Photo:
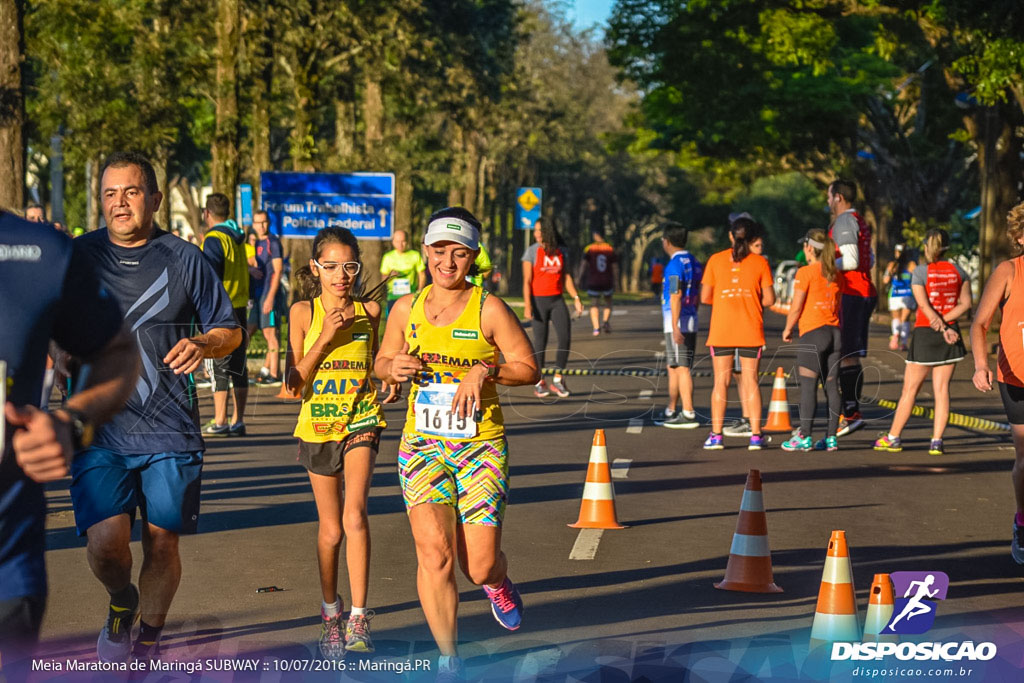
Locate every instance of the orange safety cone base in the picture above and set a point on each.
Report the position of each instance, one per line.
(597, 514)
(748, 587)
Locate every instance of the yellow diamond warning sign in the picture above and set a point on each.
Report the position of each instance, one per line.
(528, 200)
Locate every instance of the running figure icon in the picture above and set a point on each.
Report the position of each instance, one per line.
(915, 606)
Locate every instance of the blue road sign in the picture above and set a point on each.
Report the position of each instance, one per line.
(301, 204)
(528, 200)
(243, 210)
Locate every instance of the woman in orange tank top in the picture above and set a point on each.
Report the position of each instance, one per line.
(1005, 290)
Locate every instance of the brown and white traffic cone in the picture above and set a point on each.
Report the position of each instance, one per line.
(597, 511)
(880, 607)
(750, 560)
(778, 408)
(835, 617)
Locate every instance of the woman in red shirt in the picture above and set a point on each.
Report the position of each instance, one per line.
(738, 285)
(545, 277)
(943, 293)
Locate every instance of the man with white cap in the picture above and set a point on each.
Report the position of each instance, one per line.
(453, 456)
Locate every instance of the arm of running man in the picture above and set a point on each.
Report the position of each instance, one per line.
(675, 302)
(991, 299)
(527, 290)
(187, 355)
(394, 364)
(500, 327)
(846, 233)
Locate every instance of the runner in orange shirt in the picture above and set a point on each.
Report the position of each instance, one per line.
(815, 308)
(1005, 290)
(737, 284)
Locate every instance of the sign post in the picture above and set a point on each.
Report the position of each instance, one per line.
(302, 204)
(243, 205)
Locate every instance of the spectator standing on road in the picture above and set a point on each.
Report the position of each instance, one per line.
(453, 458)
(1004, 292)
(680, 300)
(600, 271)
(48, 290)
(269, 298)
(150, 455)
(405, 268)
(332, 342)
(545, 277)
(34, 213)
(657, 273)
(854, 258)
(224, 248)
(901, 296)
(815, 308)
(943, 293)
(737, 283)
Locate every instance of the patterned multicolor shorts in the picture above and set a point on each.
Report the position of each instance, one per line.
(470, 476)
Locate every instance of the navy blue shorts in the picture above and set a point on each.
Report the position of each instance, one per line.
(164, 486)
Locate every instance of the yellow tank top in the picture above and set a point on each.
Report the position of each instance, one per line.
(449, 352)
(341, 397)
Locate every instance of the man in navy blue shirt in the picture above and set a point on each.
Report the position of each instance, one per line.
(679, 301)
(47, 291)
(149, 457)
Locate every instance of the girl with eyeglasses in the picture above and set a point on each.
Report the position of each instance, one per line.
(332, 342)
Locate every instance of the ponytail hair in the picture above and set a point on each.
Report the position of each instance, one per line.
(307, 285)
(936, 242)
(743, 231)
(826, 254)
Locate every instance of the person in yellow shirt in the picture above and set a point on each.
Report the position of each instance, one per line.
(453, 456)
(332, 340)
(404, 267)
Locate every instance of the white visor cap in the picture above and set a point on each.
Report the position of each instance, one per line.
(452, 230)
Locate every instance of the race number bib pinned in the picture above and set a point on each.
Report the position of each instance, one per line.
(401, 286)
(434, 414)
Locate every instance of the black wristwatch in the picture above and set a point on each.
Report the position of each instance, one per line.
(82, 430)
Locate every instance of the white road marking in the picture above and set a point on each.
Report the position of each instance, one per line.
(585, 547)
(620, 468)
(655, 312)
(619, 311)
(636, 426)
(658, 355)
(646, 393)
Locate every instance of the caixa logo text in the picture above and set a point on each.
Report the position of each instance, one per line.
(922, 652)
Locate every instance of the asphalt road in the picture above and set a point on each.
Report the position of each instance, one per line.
(643, 608)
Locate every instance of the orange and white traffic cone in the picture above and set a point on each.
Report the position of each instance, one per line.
(750, 561)
(880, 607)
(778, 408)
(597, 511)
(835, 617)
(285, 392)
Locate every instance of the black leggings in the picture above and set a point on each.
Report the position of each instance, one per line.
(819, 352)
(231, 370)
(551, 308)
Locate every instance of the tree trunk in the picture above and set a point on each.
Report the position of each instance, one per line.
(373, 115)
(403, 202)
(455, 196)
(225, 140)
(999, 168)
(344, 134)
(470, 172)
(163, 214)
(12, 106)
(259, 131)
(92, 203)
(193, 212)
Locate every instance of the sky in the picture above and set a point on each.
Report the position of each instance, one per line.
(585, 13)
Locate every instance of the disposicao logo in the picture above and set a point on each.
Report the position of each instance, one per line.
(915, 611)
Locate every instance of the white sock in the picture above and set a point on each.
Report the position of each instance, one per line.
(331, 610)
(357, 612)
(689, 414)
(448, 663)
(896, 327)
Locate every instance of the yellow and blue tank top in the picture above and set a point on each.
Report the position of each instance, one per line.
(341, 397)
(449, 352)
